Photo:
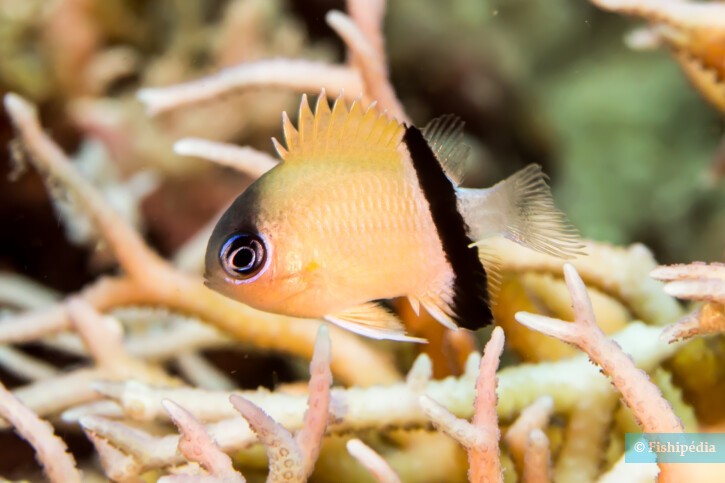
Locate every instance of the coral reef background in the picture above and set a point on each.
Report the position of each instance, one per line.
(632, 148)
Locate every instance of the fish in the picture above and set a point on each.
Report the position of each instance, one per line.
(362, 209)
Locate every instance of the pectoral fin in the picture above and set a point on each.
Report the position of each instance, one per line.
(372, 320)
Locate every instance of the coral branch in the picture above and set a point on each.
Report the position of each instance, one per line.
(293, 459)
(653, 412)
(481, 436)
(537, 465)
(372, 461)
(243, 159)
(620, 272)
(117, 465)
(103, 337)
(368, 16)
(201, 373)
(52, 453)
(285, 457)
(354, 409)
(372, 66)
(189, 258)
(23, 293)
(535, 416)
(21, 365)
(696, 281)
(67, 390)
(709, 319)
(130, 249)
(674, 12)
(315, 421)
(197, 446)
(300, 75)
(587, 431)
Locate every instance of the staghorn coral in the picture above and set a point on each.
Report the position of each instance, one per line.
(701, 282)
(694, 32)
(125, 408)
(653, 412)
(480, 437)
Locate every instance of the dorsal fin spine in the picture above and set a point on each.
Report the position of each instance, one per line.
(335, 132)
(306, 122)
(291, 136)
(356, 112)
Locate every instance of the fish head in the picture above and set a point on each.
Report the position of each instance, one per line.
(257, 254)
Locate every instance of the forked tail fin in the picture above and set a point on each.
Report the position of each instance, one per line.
(521, 209)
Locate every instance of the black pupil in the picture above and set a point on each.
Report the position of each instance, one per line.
(243, 258)
(243, 255)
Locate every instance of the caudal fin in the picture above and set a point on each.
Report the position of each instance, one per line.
(521, 209)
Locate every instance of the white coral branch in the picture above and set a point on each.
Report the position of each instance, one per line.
(708, 320)
(293, 459)
(300, 75)
(200, 372)
(244, 159)
(391, 406)
(481, 435)
(674, 12)
(197, 446)
(26, 367)
(537, 464)
(695, 281)
(654, 413)
(372, 65)
(534, 416)
(51, 451)
(135, 256)
(372, 461)
(23, 293)
(652, 410)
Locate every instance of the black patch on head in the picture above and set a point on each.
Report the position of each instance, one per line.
(470, 305)
(240, 218)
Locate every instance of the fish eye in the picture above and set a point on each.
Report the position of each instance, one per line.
(242, 255)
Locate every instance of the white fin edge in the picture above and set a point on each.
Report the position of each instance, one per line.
(521, 209)
(494, 273)
(438, 309)
(373, 321)
(444, 135)
(414, 304)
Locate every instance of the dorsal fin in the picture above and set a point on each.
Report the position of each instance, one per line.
(445, 138)
(339, 134)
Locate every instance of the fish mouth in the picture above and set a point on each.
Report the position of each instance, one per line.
(209, 282)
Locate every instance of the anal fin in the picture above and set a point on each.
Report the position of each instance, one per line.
(437, 306)
(374, 321)
(492, 264)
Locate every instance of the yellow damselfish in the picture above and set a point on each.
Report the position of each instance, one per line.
(364, 208)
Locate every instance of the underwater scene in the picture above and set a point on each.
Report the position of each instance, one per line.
(362, 241)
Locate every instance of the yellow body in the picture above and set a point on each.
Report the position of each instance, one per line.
(342, 236)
